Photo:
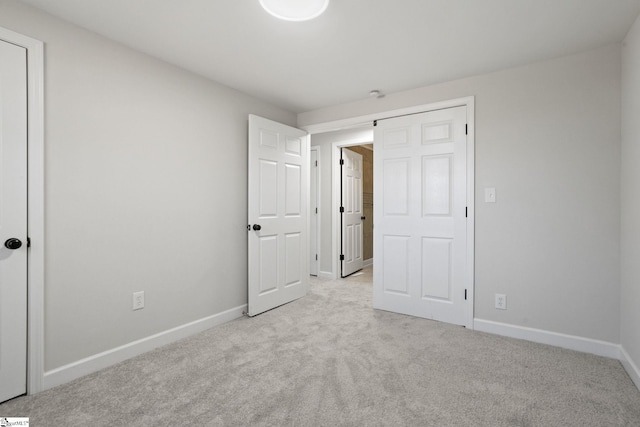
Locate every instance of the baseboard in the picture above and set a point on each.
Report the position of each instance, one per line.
(326, 275)
(630, 367)
(367, 262)
(108, 358)
(571, 342)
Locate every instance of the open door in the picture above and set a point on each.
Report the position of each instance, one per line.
(351, 211)
(277, 214)
(13, 220)
(420, 234)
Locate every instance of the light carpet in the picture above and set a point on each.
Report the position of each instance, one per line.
(329, 359)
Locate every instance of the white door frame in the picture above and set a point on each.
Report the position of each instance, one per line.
(318, 247)
(359, 121)
(35, 213)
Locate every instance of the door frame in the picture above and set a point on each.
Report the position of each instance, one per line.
(318, 247)
(365, 120)
(35, 211)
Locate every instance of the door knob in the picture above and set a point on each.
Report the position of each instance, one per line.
(257, 227)
(13, 243)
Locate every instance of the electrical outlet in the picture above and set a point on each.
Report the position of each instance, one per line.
(138, 300)
(501, 301)
(490, 195)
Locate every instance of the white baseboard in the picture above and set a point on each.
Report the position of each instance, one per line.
(367, 262)
(630, 367)
(571, 342)
(108, 358)
(326, 275)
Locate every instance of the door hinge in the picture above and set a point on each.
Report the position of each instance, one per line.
(466, 211)
(316, 163)
(341, 162)
(466, 129)
(316, 210)
(465, 294)
(316, 257)
(341, 209)
(375, 123)
(28, 242)
(341, 257)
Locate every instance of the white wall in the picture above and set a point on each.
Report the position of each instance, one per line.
(327, 216)
(548, 139)
(630, 244)
(146, 190)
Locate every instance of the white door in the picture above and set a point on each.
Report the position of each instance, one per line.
(313, 205)
(13, 220)
(420, 241)
(278, 214)
(351, 211)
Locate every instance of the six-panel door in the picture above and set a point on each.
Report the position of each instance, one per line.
(278, 214)
(420, 195)
(351, 218)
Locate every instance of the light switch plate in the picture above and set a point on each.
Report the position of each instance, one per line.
(490, 195)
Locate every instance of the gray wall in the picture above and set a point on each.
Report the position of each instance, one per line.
(146, 188)
(548, 139)
(630, 319)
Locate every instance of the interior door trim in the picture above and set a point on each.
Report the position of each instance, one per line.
(318, 201)
(35, 213)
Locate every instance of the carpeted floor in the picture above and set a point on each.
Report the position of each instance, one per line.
(330, 360)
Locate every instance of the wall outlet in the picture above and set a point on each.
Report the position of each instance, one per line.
(138, 300)
(501, 301)
(490, 195)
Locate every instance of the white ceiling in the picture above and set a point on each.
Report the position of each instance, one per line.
(356, 46)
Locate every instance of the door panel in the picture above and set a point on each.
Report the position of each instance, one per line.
(420, 188)
(278, 214)
(13, 220)
(436, 268)
(395, 267)
(436, 185)
(292, 185)
(352, 216)
(292, 260)
(396, 174)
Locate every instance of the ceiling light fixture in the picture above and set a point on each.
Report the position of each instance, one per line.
(295, 10)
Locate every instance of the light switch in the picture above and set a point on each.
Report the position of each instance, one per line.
(490, 195)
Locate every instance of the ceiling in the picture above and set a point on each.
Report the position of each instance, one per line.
(356, 46)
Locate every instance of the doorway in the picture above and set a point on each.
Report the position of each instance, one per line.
(328, 145)
(426, 169)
